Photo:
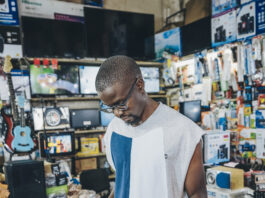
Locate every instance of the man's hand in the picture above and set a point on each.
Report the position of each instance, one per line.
(195, 184)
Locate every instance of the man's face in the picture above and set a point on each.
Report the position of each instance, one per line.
(126, 100)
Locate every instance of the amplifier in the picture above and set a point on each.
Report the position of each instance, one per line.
(25, 178)
(225, 177)
(84, 118)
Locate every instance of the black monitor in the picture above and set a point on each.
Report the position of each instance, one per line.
(191, 109)
(48, 81)
(84, 118)
(196, 36)
(87, 79)
(58, 144)
(53, 38)
(110, 32)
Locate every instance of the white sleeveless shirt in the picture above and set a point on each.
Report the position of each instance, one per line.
(152, 159)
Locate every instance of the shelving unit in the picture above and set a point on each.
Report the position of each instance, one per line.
(92, 155)
(80, 132)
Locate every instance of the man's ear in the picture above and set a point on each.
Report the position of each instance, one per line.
(140, 85)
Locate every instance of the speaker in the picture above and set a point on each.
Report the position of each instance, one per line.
(25, 178)
(225, 177)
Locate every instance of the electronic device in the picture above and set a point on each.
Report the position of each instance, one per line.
(48, 81)
(58, 143)
(87, 79)
(105, 118)
(246, 24)
(151, 79)
(225, 177)
(84, 118)
(2, 43)
(168, 42)
(50, 118)
(25, 178)
(191, 109)
(220, 34)
(216, 147)
(190, 43)
(53, 38)
(110, 32)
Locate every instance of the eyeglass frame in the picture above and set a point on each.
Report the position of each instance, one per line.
(123, 106)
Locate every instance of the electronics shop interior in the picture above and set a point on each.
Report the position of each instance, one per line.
(204, 59)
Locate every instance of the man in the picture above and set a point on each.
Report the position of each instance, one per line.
(155, 151)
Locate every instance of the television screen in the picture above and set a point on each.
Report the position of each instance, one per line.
(151, 79)
(87, 79)
(169, 42)
(53, 38)
(110, 32)
(84, 118)
(58, 143)
(191, 109)
(49, 81)
(105, 117)
(196, 36)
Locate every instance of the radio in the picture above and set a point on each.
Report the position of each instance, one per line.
(258, 177)
(225, 177)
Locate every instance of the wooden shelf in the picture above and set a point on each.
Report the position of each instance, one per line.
(222, 99)
(112, 176)
(89, 156)
(100, 61)
(78, 132)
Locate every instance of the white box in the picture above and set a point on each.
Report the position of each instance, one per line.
(240, 193)
(246, 21)
(216, 147)
(224, 28)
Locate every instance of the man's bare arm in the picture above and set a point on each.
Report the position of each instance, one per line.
(111, 194)
(195, 184)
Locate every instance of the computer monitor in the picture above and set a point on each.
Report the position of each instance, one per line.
(87, 79)
(105, 117)
(58, 143)
(191, 109)
(48, 81)
(84, 118)
(151, 79)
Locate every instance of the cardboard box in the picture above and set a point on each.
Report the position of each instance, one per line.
(86, 164)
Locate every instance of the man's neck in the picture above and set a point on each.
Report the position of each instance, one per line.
(150, 107)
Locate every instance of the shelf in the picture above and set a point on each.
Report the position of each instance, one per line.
(99, 61)
(75, 98)
(222, 99)
(65, 98)
(89, 156)
(112, 176)
(78, 132)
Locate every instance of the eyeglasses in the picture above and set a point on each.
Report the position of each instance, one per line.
(122, 106)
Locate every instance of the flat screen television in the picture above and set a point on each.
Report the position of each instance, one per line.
(191, 109)
(53, 38)
(110, 32)
(151, 79)
(87, 79)
(58, 144)
(196, 36)
(49, 81)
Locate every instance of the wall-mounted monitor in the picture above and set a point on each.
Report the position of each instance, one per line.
(191, 109)
(57, 143)
(110, 32)
(196, 36)
(87, 79)
(53, 38)
(49, 81)
(151, 79)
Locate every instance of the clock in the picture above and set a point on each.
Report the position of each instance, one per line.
(53, 117)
